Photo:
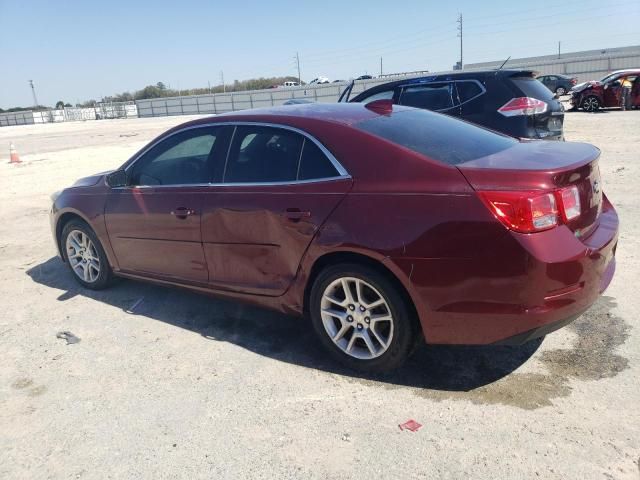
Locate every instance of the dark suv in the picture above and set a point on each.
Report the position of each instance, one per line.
(509, 101)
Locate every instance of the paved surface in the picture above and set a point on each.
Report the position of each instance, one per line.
(186, 386)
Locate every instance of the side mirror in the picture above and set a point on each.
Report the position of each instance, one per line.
(117, 179)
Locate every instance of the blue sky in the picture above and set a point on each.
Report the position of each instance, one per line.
(78, 50)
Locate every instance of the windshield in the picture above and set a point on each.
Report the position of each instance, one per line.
(437, 136)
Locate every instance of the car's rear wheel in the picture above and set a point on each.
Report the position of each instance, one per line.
(362, 318)
(591, 104)
(561, 91)
(85, 256)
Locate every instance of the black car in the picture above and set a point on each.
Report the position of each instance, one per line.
(509, 101)
(559, 84)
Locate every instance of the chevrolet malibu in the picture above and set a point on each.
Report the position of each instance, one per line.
(381, 224)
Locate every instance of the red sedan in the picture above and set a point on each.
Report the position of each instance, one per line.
(382, 224)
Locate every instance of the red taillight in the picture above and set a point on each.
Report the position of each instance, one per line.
(524, 212)
(570, 199)
(529, 212)
(523, 106)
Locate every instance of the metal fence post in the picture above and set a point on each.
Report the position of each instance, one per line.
(251, 99)
(215, 109)
(233, 107)
(271, 96)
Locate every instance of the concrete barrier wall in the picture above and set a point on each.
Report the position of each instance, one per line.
(233, 101)
(16, 118)
(70, 114)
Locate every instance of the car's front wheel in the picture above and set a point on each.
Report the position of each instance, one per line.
(85, 256)
(362, 318)
(561, 91)
(591, 104)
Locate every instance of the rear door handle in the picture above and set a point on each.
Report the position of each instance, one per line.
(183, 212)
(295, 214)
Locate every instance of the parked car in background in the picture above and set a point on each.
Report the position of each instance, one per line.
(486, 240)
(595, 94)
(559, 84)
(364, 77)
(319, 80)
(290, 84)
(509, 101)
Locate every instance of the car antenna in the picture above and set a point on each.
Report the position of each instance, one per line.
(503, 63)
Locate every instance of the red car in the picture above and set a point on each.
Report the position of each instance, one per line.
(382, 224)
(593, 95)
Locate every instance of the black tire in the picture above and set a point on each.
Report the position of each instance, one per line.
(561, 91)
(405, 325)
(105, 276)
(590, 104)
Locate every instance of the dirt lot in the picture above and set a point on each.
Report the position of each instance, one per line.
(184, 386)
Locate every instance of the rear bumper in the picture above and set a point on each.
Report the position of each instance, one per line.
(527, 287)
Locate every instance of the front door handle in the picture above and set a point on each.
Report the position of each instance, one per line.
(295, 214)
(183, 212)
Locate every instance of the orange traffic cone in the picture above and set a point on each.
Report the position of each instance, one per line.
(13, 154)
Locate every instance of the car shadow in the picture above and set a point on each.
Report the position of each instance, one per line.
(286, 338)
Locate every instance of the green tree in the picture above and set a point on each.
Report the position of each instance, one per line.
(59, 104)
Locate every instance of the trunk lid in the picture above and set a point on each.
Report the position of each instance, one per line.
(538, 166)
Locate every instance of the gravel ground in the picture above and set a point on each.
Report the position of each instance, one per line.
(168, 384)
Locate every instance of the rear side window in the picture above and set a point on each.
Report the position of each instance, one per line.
(530, 87)
(468, 90)
(263, 154)
(314, 163)
(437, 136)
(434, 96)
(266, 154)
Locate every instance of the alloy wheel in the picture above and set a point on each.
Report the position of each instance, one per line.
(357, 318)
(560, 91)
(590, 104)
(83, 256)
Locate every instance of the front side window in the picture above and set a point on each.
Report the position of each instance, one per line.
(434, 96)
(181, 159)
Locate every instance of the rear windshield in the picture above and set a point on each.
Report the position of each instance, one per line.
(437, 136)
(533, 88)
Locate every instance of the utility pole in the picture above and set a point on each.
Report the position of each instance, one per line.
(297, 59)
(460, 35)
(380, 66)
(224, 87)
(33, 91)
(558, 48)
